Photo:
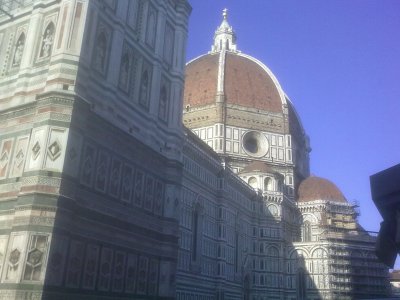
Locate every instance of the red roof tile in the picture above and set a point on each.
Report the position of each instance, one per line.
(246, 83)
(317, 188)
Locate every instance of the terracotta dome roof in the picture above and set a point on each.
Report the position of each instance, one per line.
(201, 81)
(246, 82)
(317, 188)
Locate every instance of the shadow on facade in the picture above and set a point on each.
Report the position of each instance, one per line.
(107, 244)
(111, 239)
(245, 245)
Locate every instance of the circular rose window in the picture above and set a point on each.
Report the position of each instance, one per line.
(255, 143)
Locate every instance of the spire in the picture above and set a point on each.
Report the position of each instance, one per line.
(224, 37)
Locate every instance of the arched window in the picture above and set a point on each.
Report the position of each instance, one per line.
(307, 231)
(151, 27)
(246, 285)
(273, 262)
(268, 184)
(273, 266)
(168, 44)
(273, 210)
(144, 89)
(280, 185)
(100, 52)
(163, 105)
(236, 251)
(19, 49)
(301, 285)
(320, 267)
(124, 74)
(253, 182)
(196, 233)
(47, 41)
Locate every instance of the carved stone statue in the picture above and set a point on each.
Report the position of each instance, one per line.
(47, 42)
(18, 51)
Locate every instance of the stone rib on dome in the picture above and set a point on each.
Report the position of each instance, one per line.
(246, 83)
(317, 188)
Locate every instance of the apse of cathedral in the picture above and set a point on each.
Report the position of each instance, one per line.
(106, 194)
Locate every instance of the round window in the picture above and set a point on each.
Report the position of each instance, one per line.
(255, 143)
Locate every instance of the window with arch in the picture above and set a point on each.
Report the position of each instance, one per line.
(100, 52)
(273, 266)
(273, 210)
(247, 287)
(163, 103)
(134, 10)
(301, 287)
(19, 49)
(47, 41)
(236, 251)
(125, 70)
(292, 266)
(169, 36)
(196, 233)
(195, 225)
(307, 231)
(280, 185)
(253, 182)
(145, 83)
(261, 247)
(268, 184)
(273, 259)
(320, 268)
(151, 26)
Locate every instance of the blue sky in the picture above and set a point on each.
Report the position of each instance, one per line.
(339, 62)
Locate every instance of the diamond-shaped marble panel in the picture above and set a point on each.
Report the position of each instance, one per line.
(19, 158)
(35, 257)
(4, 159)
(14, 256)
(36, 150)
(54, 150)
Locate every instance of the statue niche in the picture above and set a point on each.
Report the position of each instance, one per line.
(19, 49)
(47, 42)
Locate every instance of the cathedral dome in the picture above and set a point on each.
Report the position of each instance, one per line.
(317, 188)
(245, 82)
(227, 75)
(235, 104)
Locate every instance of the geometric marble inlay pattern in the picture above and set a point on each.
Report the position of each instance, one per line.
(36, 150)
(54, 150)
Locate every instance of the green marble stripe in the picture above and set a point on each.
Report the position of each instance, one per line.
(42, 71)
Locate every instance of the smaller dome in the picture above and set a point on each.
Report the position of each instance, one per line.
(317, 188)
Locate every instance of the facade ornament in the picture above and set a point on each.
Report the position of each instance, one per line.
(18, 51)
(124, 71)
(100, 52)
(224, 37)
(47, 42)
